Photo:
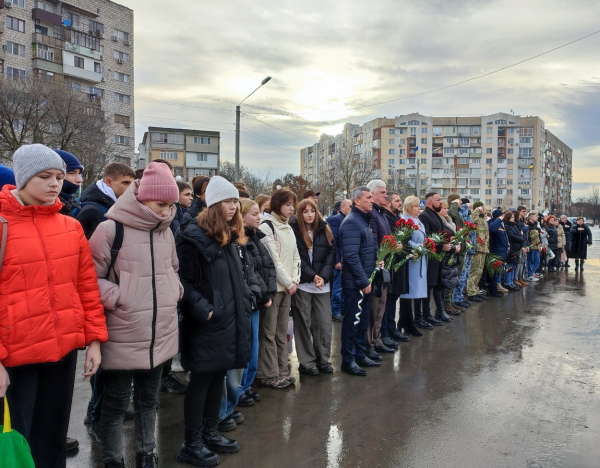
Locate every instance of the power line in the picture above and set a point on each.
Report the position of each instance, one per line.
(273, 142)
(280, 129)
(181, 104)
(436, 89)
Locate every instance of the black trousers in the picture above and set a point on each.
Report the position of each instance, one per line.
(39, 399)
(203, 398)
(436, 291)
(388, 324)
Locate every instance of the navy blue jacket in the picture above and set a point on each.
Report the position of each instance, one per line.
(334, 223)
(499, 243)
(358, 250)
(379, 225)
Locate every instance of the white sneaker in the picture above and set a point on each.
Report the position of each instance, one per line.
(532, 279)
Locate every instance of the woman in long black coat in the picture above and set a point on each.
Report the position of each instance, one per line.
(582, 237)
(311, 305)
(216, 306)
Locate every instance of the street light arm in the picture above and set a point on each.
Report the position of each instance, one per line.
(264, 82)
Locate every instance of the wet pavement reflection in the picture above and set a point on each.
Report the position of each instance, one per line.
(509, 383)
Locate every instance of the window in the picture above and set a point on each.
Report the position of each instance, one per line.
(500, 191)
(449, 130)
(509, 161)
(401, 161)
(19, 3)
(15, 49)
(464, 130)
(423, 129)
(15, 73)
(424, 151)
(475, 160)
(45, 52)
(488, 140)
(97, 67)
(476, 182)
(437, 131)
(413, 122)
(448, 150)
(392, 131)
(488, 160)
(526, 132)
(423, 141)
(511, 130)
(121, 77)
(121, 140)
(172, 155)
(85, 40)
(449, 161)
(43, 6)
(96, 92)
(391, 172)
(463, 160)
(463, 170)
(74, 19)
(488, 172)
(510, 151)
(121, 35)
(79, 62)
(474, 191)
(391, 151)
(124, 98)
(95, 27)
(500, 122)
(511, 141)
(476, 130)
(122, 119)
(525, 152)
(15, 24)
(488, 191)
(488, 150)
(463, 181)
(402, 131)
(463, 141)
(392, 141)
(41, 29)
(160, 138)
(401, 152)
(74, 85)
(489, 130)
(424, 161)
(501, 160)
(449, 141)
(413, 131)
(121, 56)
(202, 140)
(402, 141)
(390, 162)
(501, 182)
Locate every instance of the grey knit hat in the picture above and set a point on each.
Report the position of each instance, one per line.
(30, 160)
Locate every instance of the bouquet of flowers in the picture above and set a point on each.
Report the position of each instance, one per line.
(427, 250)
(496, 265)
(386, 253)
(462, 237)
(404, 230)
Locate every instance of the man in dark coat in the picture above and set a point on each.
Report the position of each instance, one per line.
(336, 288)
(97, 199)
(567, 225)
(380, 228)
(358, 262)
(336, 209)
(398, 281)
(433, 223)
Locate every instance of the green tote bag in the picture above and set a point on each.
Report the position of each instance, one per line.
(14, 449)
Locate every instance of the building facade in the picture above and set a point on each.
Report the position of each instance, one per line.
(88, 44)
(501, 159)
(190, 152)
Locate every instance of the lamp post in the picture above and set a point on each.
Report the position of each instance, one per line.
(237, 128)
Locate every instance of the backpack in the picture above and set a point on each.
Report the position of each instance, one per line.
(114, 250)
(100, 206)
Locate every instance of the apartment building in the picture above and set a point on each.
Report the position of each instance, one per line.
(501, 159)
(88, 44)
(191, 152)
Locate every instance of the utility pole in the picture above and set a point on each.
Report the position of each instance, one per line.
(418, 181)
(237, 142)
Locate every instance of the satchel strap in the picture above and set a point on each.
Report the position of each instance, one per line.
(3, 242)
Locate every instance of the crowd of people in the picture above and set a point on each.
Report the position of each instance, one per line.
(141, 268)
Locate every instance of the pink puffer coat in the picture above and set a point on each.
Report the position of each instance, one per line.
(141, 311)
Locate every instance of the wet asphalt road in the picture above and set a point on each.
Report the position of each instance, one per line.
(510, 383)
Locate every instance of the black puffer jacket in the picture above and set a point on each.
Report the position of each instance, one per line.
(70, 203)
(91, 214)
(213, 279)
(263, 266)
(552, 236)
(191, 213)
(180, 212)
(515, 238)
(433, 223)
(450, 277)
(324, 255)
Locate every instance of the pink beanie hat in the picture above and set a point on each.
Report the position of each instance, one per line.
(158, 184)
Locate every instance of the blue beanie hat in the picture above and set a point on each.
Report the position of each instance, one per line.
(71, 161)
(7, 176)
(496, 213)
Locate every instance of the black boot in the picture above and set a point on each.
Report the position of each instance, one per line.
(581, 262)
(576, 264)
(406, 316)
(119, 464)
(216, 441)
(194, 451)
(146, 460)
(442, 315)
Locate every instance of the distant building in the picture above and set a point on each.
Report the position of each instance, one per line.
(191, 152)
(88, 44)
(501, 159)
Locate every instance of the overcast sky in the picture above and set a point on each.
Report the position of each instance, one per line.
(327, 57)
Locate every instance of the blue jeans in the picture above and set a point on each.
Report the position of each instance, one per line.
(533, 262)
(354, 337)
(250, 371)
(509, 278)
(337, 305)
(464, 277)
(388, 324)
(231, 392)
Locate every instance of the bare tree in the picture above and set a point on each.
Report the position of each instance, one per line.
(33, 110)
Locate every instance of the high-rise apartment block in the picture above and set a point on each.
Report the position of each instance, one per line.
(190, 152)
(501, 159)
(88, 44)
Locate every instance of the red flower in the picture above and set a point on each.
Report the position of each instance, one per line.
(480, 241)
(429, 244)
(400, 223)
(470, 225)
(391, 240)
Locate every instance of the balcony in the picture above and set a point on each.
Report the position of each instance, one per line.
(81, 73)
(46, 16)
(81, 50)
(51, 41)
(42, 64)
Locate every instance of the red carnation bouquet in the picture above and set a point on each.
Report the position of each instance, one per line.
(496, 265)
(387, 250)
(404, 230)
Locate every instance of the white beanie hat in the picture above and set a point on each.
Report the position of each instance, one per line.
(30, 160)
(219, 189)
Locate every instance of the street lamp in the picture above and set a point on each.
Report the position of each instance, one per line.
(237, 128)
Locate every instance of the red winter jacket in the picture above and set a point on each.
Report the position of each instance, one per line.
(49, 299)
